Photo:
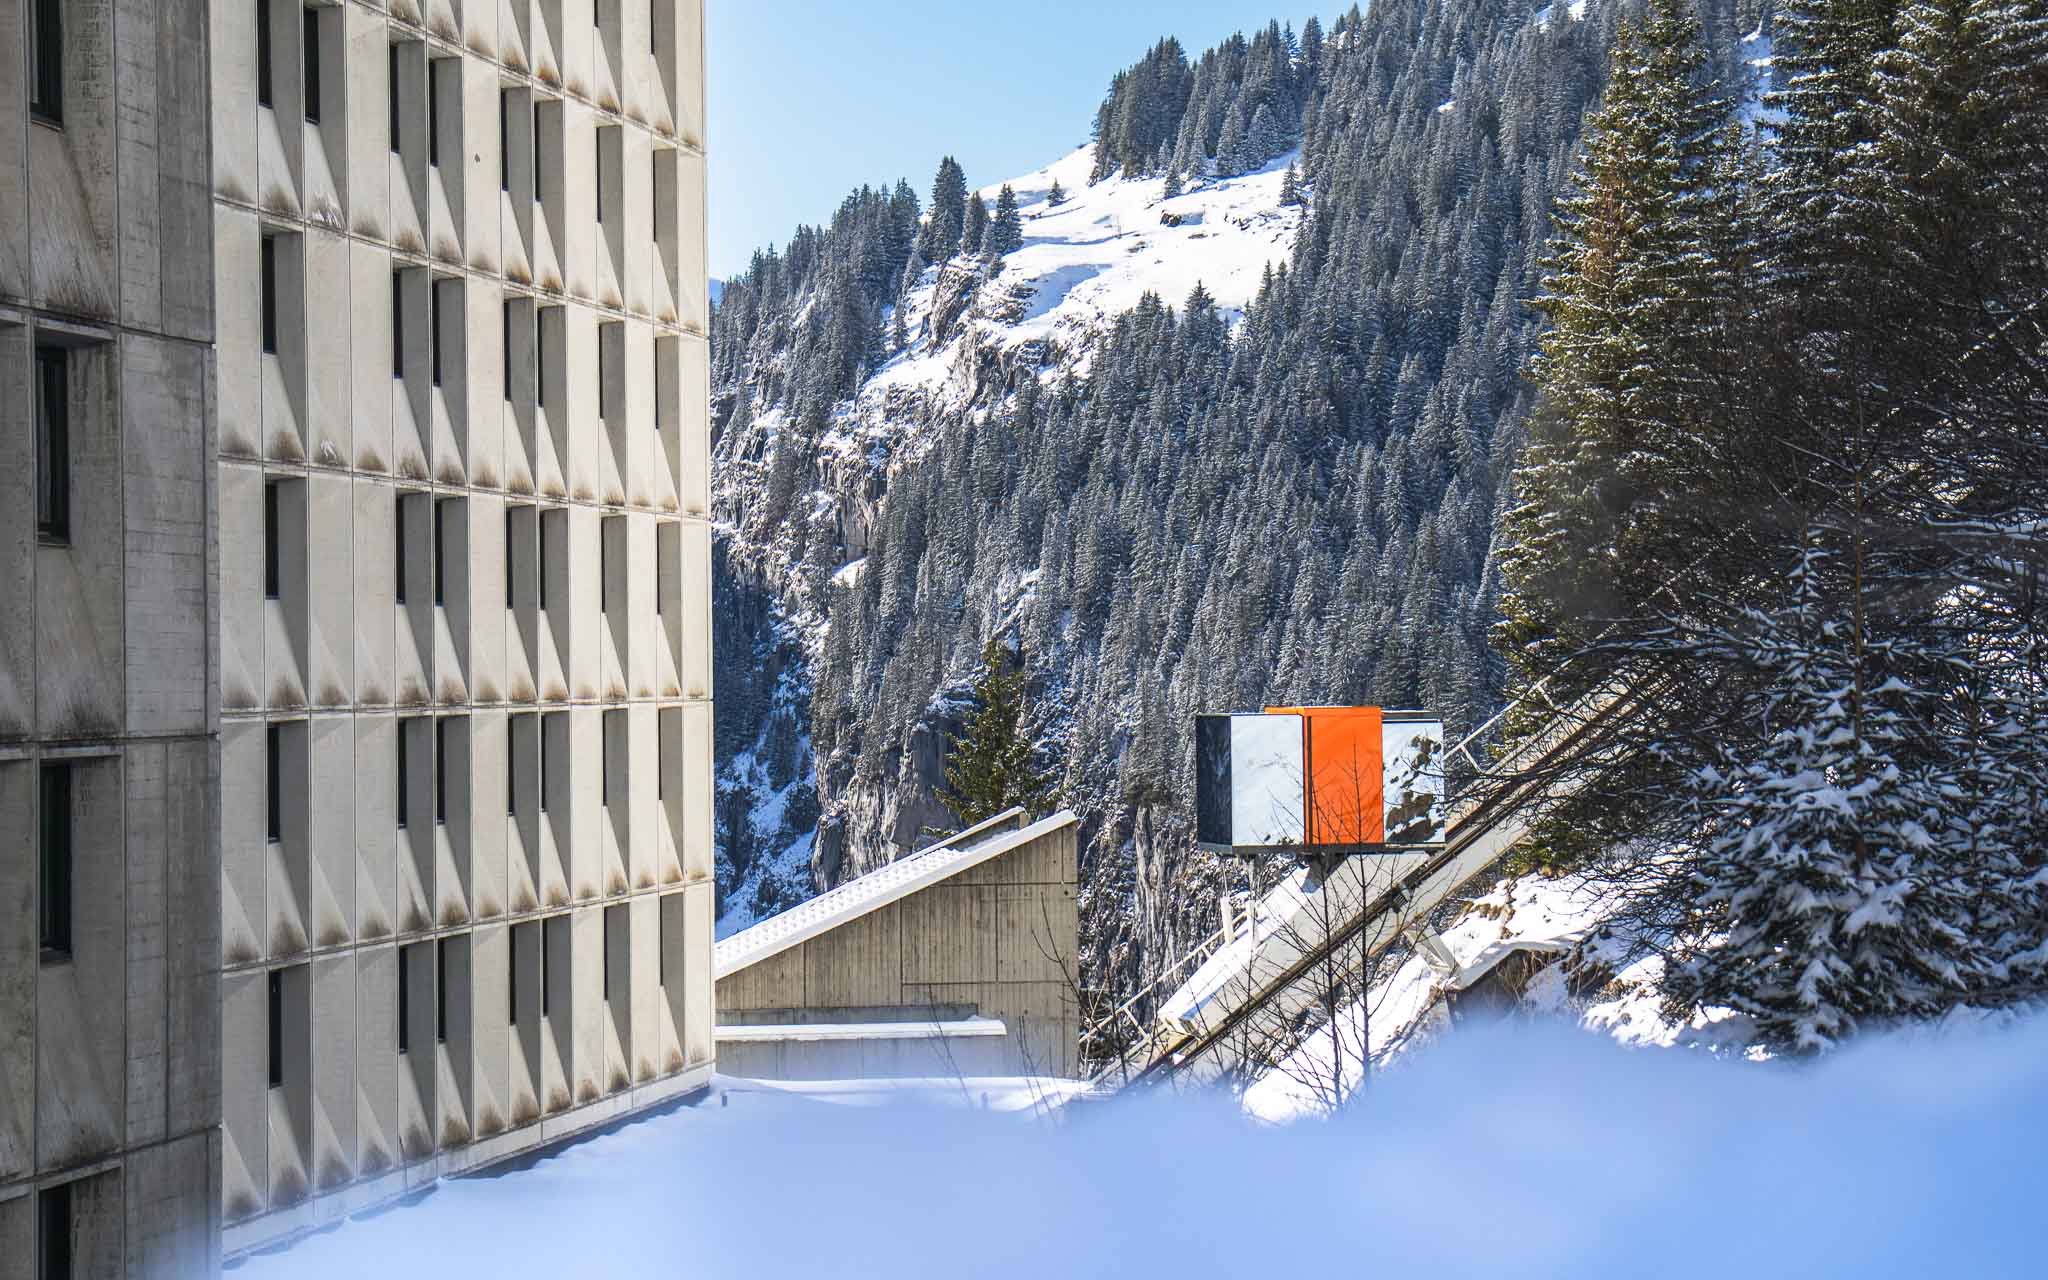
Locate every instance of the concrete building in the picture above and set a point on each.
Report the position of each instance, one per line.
(109, 849)
(959, 960)
(466, 895)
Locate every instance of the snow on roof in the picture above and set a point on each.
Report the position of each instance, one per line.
(809, 1031)
(878, 888)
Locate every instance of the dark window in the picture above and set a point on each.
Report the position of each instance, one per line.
(541, 522)
(604, 567)
(434, 334)
(273, 765)
(540, 364)
(441, 991)
(53, 1236)
(504, 141)
(547, 962)
(512, 766)
(604, 765)
(602, 402)
(440, 551)
(263, 52)
(312, 49)
(653, 32)
(660, 781)
(391, 88)
(404, 999)
(606, 943)
(270, 295)
(276, 1027)
(54, 850)
(505, 345)
(46, 75)
(53, 443)
(433, 112)
(398, 324)
(440, 773)
(270, 566)
(599, 160)
(661, 942)
(536, 151)
(540, 746)
(512, 976)
(511, 574)
(398, 562)
(404, 781)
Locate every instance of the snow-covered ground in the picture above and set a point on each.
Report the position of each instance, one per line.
(1551, 917)
(1530, 1151)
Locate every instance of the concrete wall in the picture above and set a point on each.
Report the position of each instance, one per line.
(504, 562)
(109, 1062)
(999, 939)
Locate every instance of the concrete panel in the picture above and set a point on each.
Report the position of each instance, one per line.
(17, 969)
(165, 491)
(774, 983)
(17, 538)
(949, 934)
(79, 585)
(858, 963)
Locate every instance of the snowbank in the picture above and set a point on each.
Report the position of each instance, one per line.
(1532, 1152)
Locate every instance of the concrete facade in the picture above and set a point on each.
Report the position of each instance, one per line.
(109, 848)
(995, 940)
(466, 893)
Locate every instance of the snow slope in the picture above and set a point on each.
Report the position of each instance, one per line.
(1092, 257)
(1523, 1152)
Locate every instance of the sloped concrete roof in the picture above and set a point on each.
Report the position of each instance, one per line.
(878, 888)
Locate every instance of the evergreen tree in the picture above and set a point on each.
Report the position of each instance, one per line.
(1057, 196)
(1290, 189)
(1006, 226)
(942, 230)
(974, 229)
(989, 767)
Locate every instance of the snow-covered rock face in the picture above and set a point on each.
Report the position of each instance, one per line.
(974, 330)
(1091, 258)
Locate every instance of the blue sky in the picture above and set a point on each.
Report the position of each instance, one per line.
(810, 98)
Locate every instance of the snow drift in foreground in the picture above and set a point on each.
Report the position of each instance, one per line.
(1530, 1151)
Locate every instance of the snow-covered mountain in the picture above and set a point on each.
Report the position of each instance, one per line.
(1281, 485)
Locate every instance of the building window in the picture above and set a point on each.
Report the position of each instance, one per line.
(604, 567)
(441, 991)
(404, 796)
(270, 295)
(312, 51)
(398, 539)
(276, 1027)
(511, 569)
(603, 404)
(505, 346)
(504, 140)
(270, 566)
(398, 324)
(549, 522)
(433, 112)
(597, 159)
(540, 741)
(391, 89)
(512, 975)
(512, 766)
(540, 362)
(536, 150)
(263, 52)
(405, 999)
(54, 842)
(46, 71)
(606, 943)
(440, 773)
(53, 1232)
(53, 443)
(440, 551)
(547, 961)
(434, 336)
(273, 765)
